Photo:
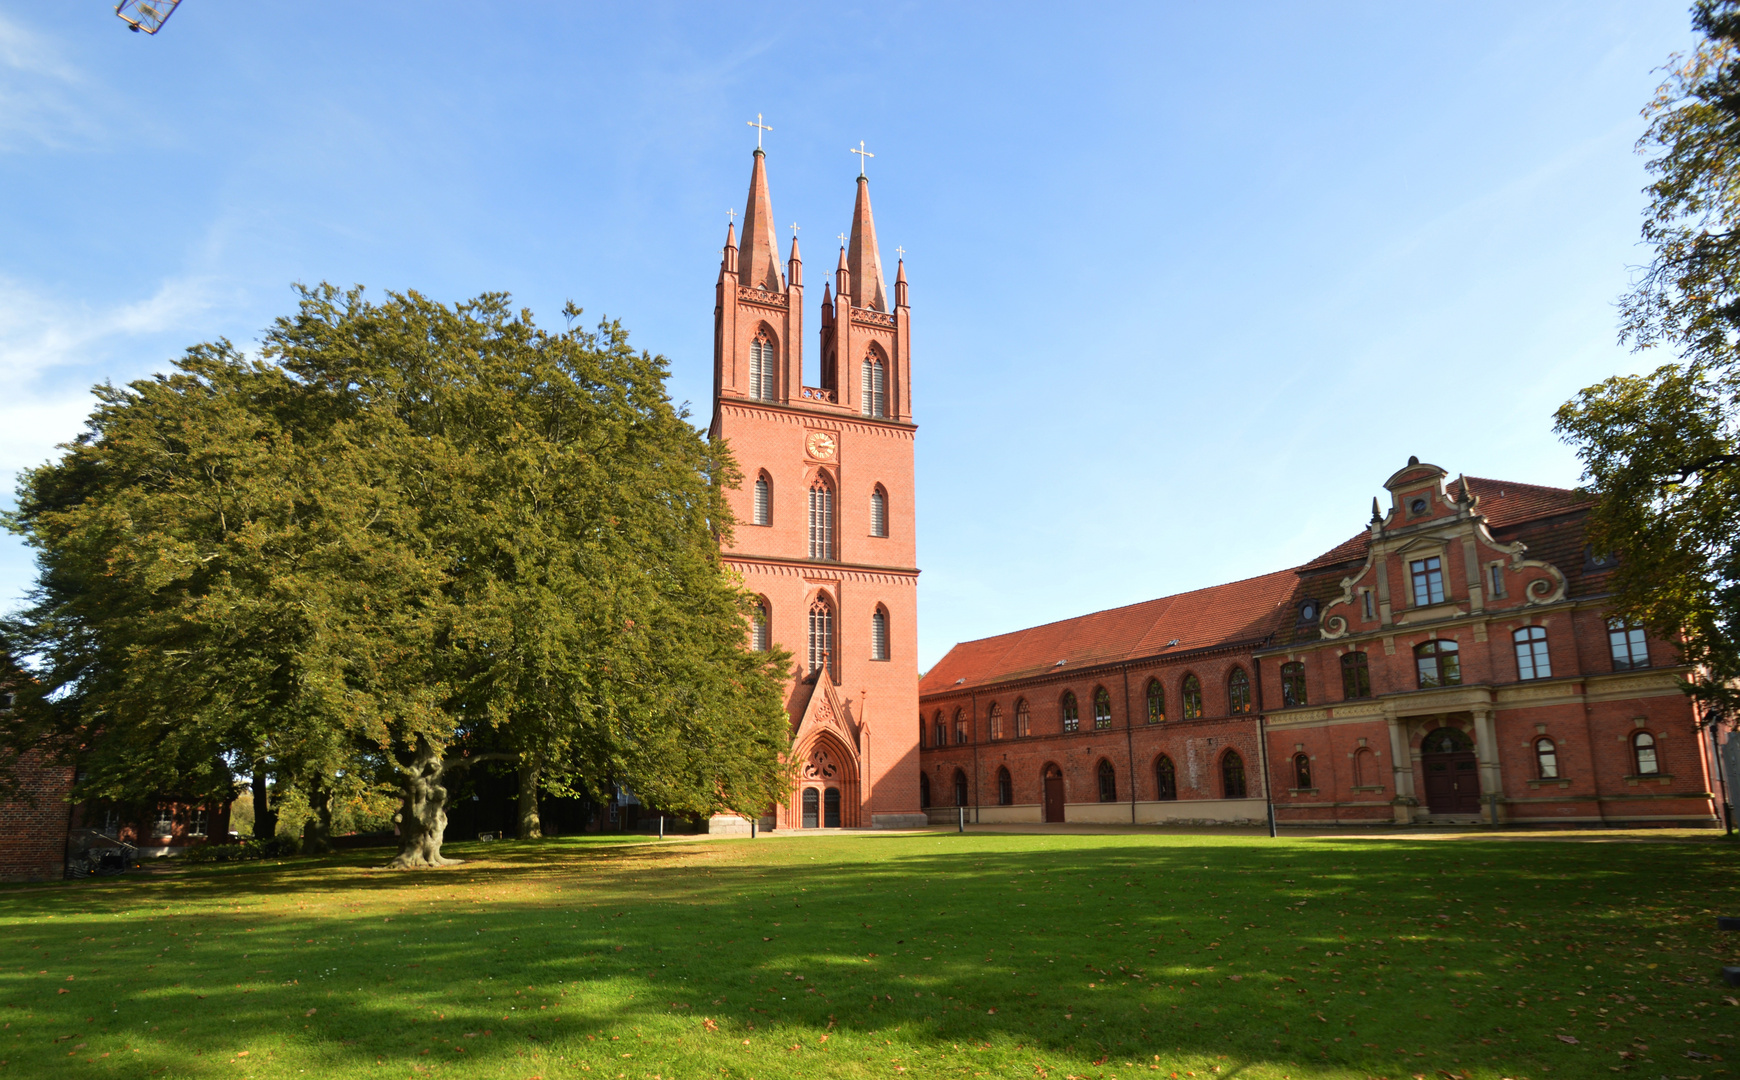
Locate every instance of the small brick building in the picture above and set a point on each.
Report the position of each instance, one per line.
(1454, 661)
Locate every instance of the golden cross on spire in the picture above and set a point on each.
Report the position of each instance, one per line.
(759, 128)
(862, 154)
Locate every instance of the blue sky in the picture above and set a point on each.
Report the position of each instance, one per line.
(1188, 280)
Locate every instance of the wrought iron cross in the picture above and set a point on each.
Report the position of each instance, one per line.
(862, 155)
(759, 128)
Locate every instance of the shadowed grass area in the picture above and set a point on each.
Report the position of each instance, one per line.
(889, 955)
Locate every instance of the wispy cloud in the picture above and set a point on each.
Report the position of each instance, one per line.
(52, 350)
(45, 100)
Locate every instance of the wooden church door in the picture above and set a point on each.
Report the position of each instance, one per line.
(1053, 794)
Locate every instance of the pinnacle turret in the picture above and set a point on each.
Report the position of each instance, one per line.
(759, 260)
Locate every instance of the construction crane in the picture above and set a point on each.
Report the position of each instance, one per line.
(146, 15)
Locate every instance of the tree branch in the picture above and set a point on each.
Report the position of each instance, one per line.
(1695, 467)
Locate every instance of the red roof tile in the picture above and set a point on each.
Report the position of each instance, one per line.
(1503, 502)
(1224, 614)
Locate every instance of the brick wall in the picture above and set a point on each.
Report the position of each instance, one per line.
(33, 835)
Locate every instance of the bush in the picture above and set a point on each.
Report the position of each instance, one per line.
(244, 850)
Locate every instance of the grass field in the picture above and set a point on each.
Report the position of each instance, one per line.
(933, 955)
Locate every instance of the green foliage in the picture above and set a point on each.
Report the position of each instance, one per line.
(1662, 451)
(405, 536)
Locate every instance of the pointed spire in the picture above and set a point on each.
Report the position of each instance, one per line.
(900, 284)
(862, 257)
(842, 275)
(730, 256)
(794, 268)
(760, 259)
(1375, 516)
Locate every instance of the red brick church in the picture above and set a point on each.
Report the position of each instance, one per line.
(1455, 660)
(825, 523)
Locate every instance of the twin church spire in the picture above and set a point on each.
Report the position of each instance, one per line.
(864, 339)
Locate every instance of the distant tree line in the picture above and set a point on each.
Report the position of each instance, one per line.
(402, 539)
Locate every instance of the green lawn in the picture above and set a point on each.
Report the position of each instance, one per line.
(891, 955)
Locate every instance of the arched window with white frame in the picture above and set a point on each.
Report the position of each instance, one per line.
(821, 518)
(822, 635)
(875, 388)
(763, 500)
(761, 368)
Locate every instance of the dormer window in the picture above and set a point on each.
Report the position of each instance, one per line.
(1308, 611)
(1428, 575)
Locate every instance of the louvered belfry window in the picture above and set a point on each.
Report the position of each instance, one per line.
(821, 519)
(821, 635)
(761, 381)
(763, 502)
(875, 393)
(878, 513)
(879, 635)
(763, 628)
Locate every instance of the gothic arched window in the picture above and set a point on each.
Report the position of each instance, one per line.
(875, 396)
(761, 628)
(1364, 772)
(1302, 771)
(822, 636)
(960, 728)
(1102, 709)
(763, 500)
(1232, 775)
(1292, 684)
(1165, 779)
(960, 788)
(1192, 698)
(996, 721)
(1005, 788)
(1156, 701)
(811, 800)
(879, 634)
(878, 512)
(821, 518)
(761, 365)
(1023, 719)
(1238, 691)
(1071, 714)
(1108, 782)
(923, 790)
(940, 730)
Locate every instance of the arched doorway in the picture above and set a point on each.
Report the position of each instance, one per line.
(830, 784)
(1053, 793)
(1452, 774)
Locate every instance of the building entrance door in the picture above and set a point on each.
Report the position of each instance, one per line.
(1053, 794)
(1452, 773)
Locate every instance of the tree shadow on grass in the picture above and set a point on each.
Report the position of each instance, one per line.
(1368, 956)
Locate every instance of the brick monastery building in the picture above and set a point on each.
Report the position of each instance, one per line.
(1453, 661)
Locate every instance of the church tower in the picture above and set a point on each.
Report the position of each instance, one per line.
(825, 510)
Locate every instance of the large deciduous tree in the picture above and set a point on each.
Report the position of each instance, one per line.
(408, 538)
(1662, 450)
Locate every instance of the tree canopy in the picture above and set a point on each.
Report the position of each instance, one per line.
(404, 538)
(1660, 450)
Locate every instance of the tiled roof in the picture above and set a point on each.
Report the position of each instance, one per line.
(1503, 502)
(1221, 615)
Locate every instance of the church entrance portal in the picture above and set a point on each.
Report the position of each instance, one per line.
(830, 793)
(1452, 773)
(1053, 794)
(810, 801)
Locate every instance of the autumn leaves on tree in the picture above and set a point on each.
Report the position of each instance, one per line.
(406, 538)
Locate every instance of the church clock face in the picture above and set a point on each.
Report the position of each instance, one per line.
(821, 445)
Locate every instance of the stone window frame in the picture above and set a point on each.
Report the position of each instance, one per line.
(1546, 759)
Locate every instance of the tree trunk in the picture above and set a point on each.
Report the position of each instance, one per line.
(317, 830)
(423, 815)
(531, 828)
(265, 817)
